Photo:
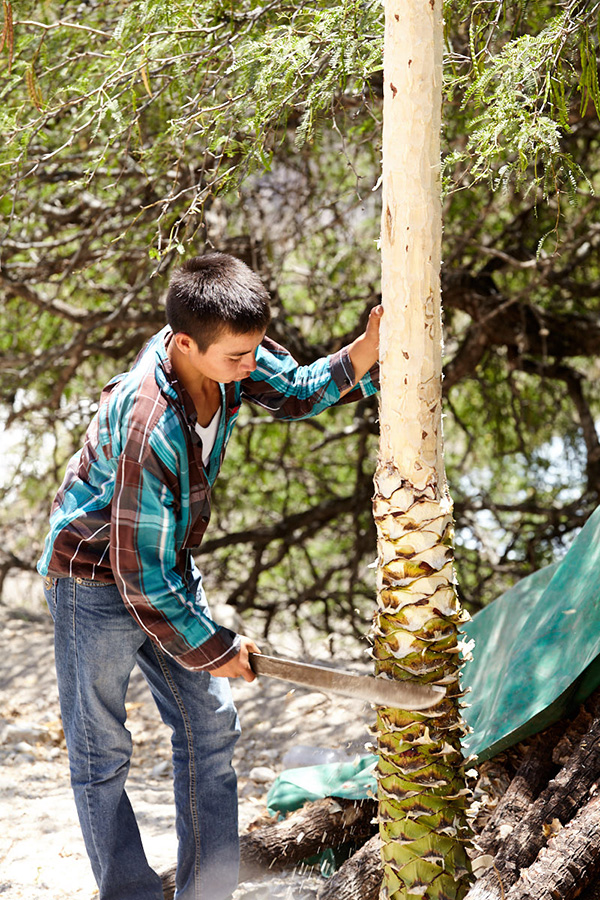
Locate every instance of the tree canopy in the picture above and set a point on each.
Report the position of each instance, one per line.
(137, 134)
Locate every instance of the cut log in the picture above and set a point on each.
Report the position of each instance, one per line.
(316, 827)
(568, 865)
(359, 878)
(306, 832)
(592, 892)
(560, 800)
(532, 776)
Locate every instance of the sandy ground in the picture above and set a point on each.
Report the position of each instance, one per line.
(41, 849)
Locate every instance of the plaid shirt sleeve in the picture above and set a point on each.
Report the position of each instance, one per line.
(147, 567)
(290, 391)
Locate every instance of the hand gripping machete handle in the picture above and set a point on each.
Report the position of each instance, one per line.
(381, 691)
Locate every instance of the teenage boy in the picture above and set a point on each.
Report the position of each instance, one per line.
(121, 583)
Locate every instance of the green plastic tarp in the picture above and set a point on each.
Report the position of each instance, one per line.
(353, 780)
(536, 657)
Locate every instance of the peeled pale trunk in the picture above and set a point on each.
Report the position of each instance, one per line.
(421, 787)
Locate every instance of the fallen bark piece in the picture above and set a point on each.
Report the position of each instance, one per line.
(568, 865)
(317, 826)
(359, 878)
(560, 800)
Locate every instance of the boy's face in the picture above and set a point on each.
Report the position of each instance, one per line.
(231, 357)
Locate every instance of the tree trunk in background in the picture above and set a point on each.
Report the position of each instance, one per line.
(421, 792)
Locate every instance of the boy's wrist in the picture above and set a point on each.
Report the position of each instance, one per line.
(364, 350)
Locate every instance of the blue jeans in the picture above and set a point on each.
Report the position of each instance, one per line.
(97, 644)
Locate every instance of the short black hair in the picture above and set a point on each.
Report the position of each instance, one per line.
(211, 293)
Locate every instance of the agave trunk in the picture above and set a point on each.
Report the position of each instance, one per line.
(421, 785)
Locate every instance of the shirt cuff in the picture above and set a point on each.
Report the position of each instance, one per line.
(222, 646)
(371, 380)
(342, 370)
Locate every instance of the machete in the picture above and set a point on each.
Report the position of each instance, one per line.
(378, 690)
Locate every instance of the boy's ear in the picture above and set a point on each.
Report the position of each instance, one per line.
(184, 342)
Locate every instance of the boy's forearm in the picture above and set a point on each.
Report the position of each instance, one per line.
(363, 357)
(364, 351)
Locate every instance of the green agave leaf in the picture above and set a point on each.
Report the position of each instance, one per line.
(407, 759)
(397, 854)
(423, 659)
(406, 569)
(401, 794)
(400, 718)
(415, 804)
(428, 671)
(442, 781)
(410, 617)
(446, 887)
(392, 881)
(435, 848)
(433, 772)
(418, 874)
(443, 820)
(441, 888)
(393, 779)
(406, 830)
(450, 750)
(420, 733)
(443, 598)
(429, 734)
(457, 861)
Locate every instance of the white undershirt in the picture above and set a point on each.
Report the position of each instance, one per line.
(208, 435)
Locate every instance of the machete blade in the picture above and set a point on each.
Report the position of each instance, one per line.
(377, 690)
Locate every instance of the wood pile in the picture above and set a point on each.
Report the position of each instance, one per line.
(537, 831)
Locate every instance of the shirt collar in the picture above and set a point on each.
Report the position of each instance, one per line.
(166, 377)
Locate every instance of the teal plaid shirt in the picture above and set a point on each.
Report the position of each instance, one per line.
(136, 499)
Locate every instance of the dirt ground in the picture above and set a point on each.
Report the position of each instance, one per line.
(41, 849)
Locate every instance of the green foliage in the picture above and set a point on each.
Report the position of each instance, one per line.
(147, 83)
(525, 68)
(163, 80)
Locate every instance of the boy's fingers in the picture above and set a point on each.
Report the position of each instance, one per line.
(375, 317)
(248, 646)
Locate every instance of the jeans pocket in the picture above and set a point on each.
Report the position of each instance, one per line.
(50, 594)
(92, 583)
